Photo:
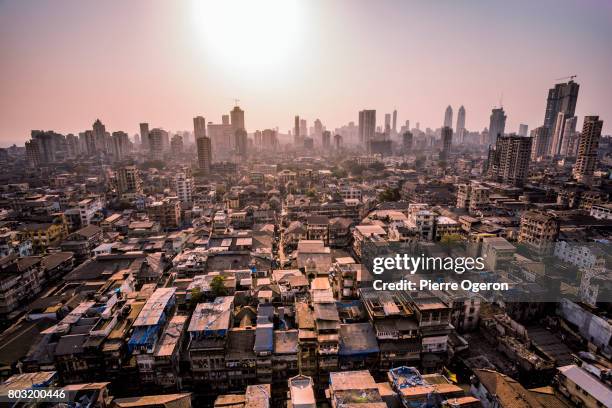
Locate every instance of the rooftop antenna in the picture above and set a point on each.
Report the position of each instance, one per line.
(236, 100)
(501, 100)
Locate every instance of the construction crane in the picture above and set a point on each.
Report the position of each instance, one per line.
(571, 78)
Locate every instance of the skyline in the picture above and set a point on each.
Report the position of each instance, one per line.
(170, 68)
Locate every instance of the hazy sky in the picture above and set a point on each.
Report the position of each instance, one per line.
(65, 63)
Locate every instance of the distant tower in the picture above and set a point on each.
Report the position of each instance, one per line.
(394, 126)
(460, 123)
(326, 139)
(241, 142)
(387, 124)
(296, 131)
(448, 117)
(156, 143)
(237, 117)
(497, 124)
(144, 135)
(447, 140)
(539, 148)
(523, 129)
(199, 127)
(508, 162)
(562, 98)
(407, 141)
(303, 128)
(367, 126)
(337, 142)
(588, 144)
(204, 154)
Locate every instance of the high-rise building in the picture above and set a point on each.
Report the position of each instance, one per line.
(539, 148)
(459, 130)
(337, 142)
(33, 153)
(184, 185)
(269, 140)
(561, 98)
(394, 125)
(128, 182)
(177, 145)
(367, 126)
(447, 140)
(318, 130)
(203, 145)
(199, 127)
(303, 128)
(387, 124)
(326, 139)
(297, 141)
(588, 144)
(121, 145)
(523, 129)
(144, 135)
(221, 138)
(448, 117)
(241, 142)
(407, 141)
(47, 145)
(567, 138)
(497, 124)
(237, 117)
(156, 143)
(508, 162)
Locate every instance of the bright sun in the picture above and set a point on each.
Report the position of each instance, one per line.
(248, 34)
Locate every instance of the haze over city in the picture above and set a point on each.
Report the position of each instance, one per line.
(66, 63)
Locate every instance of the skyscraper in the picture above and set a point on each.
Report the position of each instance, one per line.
(269, 139)
(156, 143)
(303, 128)
(447, 140)
(367, 126)
(177, 145)
(326, 139)
(523, 129)
(296, 131)
(561, 98)
(539, 148)
(394, 126)
(204, 154)
(120, 145)
(407, 141)
(497, 124)
(144, 135)
(569, 133)
(318, 130)
(199, 127)
(588, 144)
(460, 123)
(508, 162)
(241, 142)
(387, 124)
(448, 117)
(237, 117)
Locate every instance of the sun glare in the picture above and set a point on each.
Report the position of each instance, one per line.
(247, 34)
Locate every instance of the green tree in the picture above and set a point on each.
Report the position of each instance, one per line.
(217, 286)
(196, 297)
(389, 194)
